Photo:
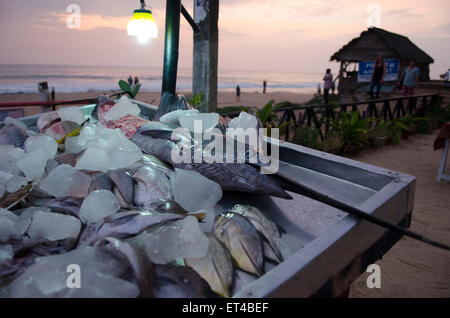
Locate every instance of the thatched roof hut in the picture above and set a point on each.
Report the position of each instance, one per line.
(376, 41)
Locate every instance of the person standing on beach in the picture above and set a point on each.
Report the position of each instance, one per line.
(379, 71)
(136, 80)
(264, 86)
(238, 93)
(410, 78)
(328, 82)
(130, 80)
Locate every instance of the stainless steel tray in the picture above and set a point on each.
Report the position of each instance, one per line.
(324, 248)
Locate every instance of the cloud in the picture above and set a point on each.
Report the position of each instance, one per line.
(94, 21)
(403, 13)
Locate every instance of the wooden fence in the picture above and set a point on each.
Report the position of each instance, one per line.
(319, 115)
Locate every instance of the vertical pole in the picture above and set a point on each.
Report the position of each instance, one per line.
(171, 44)
(206, 47)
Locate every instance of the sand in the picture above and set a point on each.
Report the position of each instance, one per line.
(224, 98)
(412, 268)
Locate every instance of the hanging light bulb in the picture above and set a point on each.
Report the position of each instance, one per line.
(142, 25)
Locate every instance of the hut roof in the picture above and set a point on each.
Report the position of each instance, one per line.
(397, 45)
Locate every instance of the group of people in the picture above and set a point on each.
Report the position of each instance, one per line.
(238, 90)
(407, 81)
(130, 80)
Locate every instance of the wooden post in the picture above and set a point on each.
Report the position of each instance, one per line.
(206, 51)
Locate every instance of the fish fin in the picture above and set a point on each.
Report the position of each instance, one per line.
(158, 134)
(200, 216)
(258, 269)
(280, 228)
(275, 250)
(225, 288)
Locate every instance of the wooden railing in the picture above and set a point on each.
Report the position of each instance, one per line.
(319, 115)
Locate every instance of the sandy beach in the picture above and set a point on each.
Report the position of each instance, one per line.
(412, 268)
(152, 97)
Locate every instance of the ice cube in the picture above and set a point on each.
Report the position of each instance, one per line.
(6, 252)
(16, 153)
(193, 191)
(173, 118)
(97, 205)
(18, 228)
(73, 145)
(93, 159)
(78, 184)
(122, 158)
(57, 181)
(180, 239)
(33, 164)
(15, 183)
(53, 226)
(73, 114)
(201, 122)
(42, 142)
(29, 212)
(4, 178)
(122, 108)
(98, 270)
(244, 121)
(7, 227)
(9, 164)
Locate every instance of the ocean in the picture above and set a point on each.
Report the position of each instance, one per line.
(66, 78)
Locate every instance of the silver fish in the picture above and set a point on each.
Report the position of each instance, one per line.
(100, 181)
(66, 205)
(151, 184)
(12, 135)
(231, 176)
(123, 187)
(242, 241)
(141, 267)
(180, 282)
(266, 227)
(124, 224)
(215, 267)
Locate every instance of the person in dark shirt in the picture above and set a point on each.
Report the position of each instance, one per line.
(264, 86)
(238, 93)
(379, 71)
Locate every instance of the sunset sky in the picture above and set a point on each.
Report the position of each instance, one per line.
(282, 35)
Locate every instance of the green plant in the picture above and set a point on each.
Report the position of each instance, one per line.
(379, 135)
(307, 137)
(386, 132)
(232, 109)
(196, 100)
(437, 114)
(131, 90)
(353, 130)
(333, 143)
(269, 118)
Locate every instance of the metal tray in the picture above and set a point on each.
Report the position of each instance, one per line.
(324, 248)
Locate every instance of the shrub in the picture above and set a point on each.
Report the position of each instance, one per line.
(353, 130)
(307, 137)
